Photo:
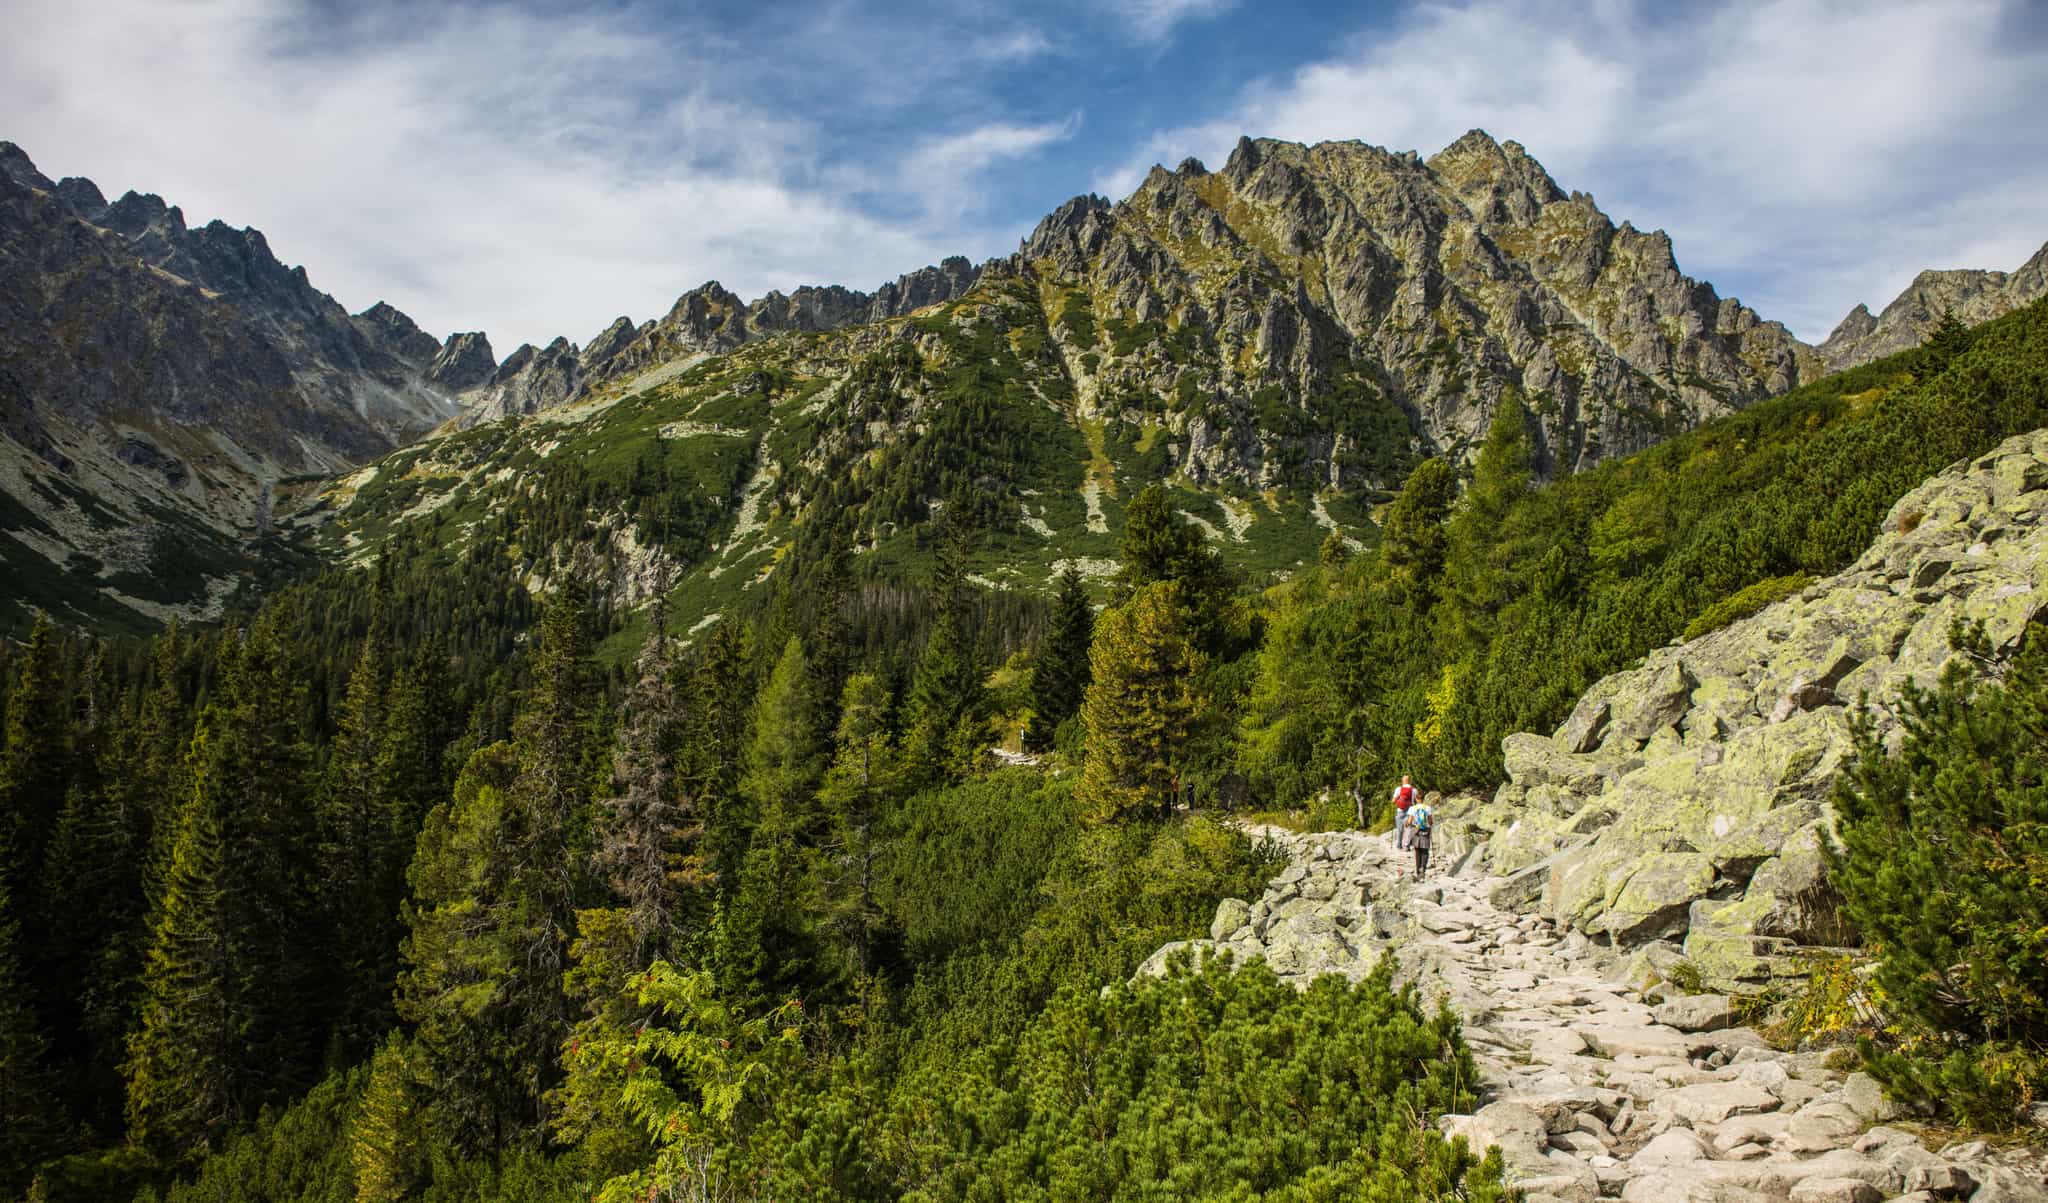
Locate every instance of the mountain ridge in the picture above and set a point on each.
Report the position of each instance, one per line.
(1973, 295)
(1299, 326)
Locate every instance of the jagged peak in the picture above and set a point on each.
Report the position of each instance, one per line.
(1474, 141)
(1855, 324)
(17, 166)
(81, 194)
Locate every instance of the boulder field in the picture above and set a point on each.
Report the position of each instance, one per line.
(1682, 807)
(1596, 1086)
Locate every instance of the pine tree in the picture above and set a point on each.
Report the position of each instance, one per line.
(551, 799)
(1158, 545)
(35, 763)
(1059, 673)
(858, 787)
(944, 730)
(93, 891)
(184, 1079)
(1944, 843)
(359, 853)
(463, 943)
(714, 746)
(384, 1146)
(649, 839)
(1414, 546)
(769, 924)
(1141, 707)
(31, 1121)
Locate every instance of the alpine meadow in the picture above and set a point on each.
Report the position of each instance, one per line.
(941, 743)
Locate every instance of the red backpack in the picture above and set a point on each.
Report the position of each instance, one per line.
(1404, 797)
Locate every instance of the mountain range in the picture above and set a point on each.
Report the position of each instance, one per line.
(1278, 340)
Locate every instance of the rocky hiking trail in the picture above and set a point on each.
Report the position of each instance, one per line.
(1593, 1087)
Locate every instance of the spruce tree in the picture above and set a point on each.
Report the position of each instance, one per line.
(1413, 546)
(96, 907)
(1158, 545)
(649, 838)
(384, 1145)
(228, 1010)
(551, 799)
(464, 940)
(714, 749)
(184, 1061)
(1059, 673)
(1481, 553)
(35, 763)
(259, 763)
(858, 788)
(31, 1122)
(155, 761)
(769, 925)
(1141, 707)
(944, 730)
(359, 853)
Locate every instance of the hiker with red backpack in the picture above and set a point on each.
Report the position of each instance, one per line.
(1405, 797)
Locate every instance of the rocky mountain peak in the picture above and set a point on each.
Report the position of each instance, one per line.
(1973, 295)
(465, 361)
(397, 334)
(17, 166)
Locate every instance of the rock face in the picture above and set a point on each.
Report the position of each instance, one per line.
(1685, 800)
(1591, 1086)
(707, 320)
(157, 380)
(1973, 296)
(1434, 285)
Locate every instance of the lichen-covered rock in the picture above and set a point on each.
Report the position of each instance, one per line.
(1687, 797)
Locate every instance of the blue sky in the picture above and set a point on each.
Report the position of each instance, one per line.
(534, 170)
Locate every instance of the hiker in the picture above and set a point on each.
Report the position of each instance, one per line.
(1420, 821)
(1405, 796)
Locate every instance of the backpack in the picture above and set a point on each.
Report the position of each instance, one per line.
(1404, 797)
(1422, 819)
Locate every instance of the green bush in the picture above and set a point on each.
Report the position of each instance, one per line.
(1745, 602)
(1944, 852)
(1210, 1084)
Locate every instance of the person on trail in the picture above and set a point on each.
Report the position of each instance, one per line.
(1405, 797)
(1420, 822)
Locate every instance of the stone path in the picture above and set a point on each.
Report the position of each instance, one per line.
(1595, 1089)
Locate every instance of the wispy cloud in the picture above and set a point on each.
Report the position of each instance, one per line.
(1809, 155)
(1154, 20)
(1016, 45)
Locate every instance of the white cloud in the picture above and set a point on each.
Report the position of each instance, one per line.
(525, 173)
(1016, 45)
(984, 145)
(1154, 20)
(1805, 153)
